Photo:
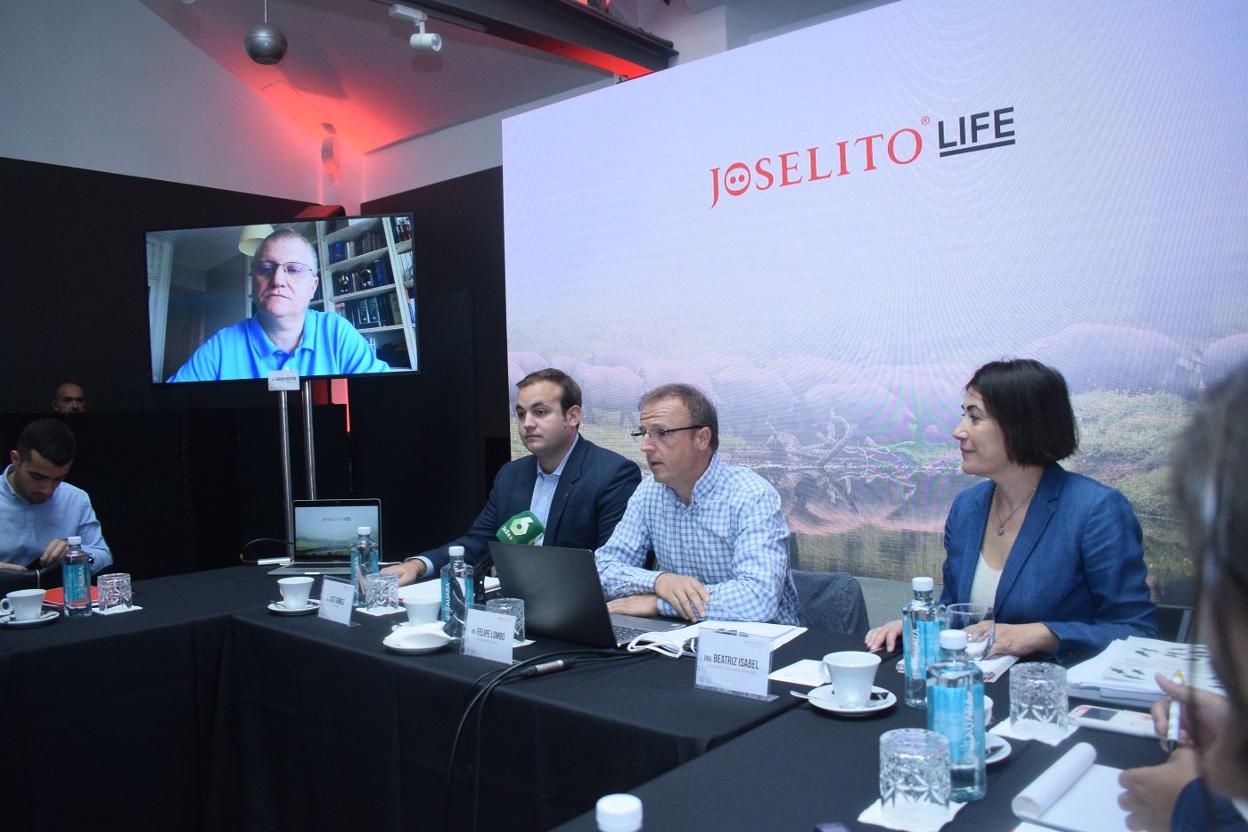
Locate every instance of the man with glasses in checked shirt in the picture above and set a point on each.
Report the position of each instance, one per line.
(284, 334)
(717, 531)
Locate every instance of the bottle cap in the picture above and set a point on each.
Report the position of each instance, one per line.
(365, 530)
(456, 551)
(618, 813)
(952, 640)
(74, 540)
(922, 584)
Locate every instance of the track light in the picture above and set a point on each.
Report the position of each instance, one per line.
(421, 41)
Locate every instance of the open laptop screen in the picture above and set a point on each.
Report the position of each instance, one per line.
(325, 529)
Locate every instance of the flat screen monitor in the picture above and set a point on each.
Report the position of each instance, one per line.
(326, 298)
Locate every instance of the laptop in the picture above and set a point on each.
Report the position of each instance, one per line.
(563, 596)
(325, 533)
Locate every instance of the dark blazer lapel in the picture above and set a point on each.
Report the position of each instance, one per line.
(1042, 508)
(978, 510)
(571, 473)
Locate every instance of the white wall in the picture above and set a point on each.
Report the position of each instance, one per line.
(107, 85)
(697, 29)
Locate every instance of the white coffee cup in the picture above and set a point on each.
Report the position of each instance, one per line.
(422, 610)
(295, 591)
(987, 711)
(25, 604)
(851, 673)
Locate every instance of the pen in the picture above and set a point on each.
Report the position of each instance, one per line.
(1172, 730)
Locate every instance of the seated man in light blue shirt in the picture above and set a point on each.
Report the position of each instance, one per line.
(717, 532)
(38, 510)
(285, 334)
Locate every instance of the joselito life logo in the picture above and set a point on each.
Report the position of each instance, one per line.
(863, 154)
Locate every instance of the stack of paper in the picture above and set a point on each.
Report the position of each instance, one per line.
(1075, 794)
(1124, 671)
(684, 640)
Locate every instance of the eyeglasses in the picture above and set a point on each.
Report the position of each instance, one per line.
(659, 434)
(268, 268)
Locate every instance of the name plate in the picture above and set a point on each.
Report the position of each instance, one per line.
(489, 635)
(734, 662)
(336, 600)
(283, 380)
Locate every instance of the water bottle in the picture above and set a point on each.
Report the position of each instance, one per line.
(457, 593)
(921, 621)
(955, 708)
(364, 561)
(76, 579)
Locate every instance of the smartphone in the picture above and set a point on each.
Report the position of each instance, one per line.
(1111, 719)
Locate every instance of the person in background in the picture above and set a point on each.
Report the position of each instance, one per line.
(717, 531)
(69, 398)
(577, 490)
(284, 334)
(38, 509)
(1204, 784)
(1058, 556)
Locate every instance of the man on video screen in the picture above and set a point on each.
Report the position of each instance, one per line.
(284, 334)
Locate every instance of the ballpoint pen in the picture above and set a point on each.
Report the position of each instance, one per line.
(1172, 730)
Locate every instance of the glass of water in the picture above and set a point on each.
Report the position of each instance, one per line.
(509, 606)
(381, 590)
(1038, 701)
(114, 590)
(914, 777)
(977, 621)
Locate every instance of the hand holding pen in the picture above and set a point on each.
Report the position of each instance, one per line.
(1198, 714)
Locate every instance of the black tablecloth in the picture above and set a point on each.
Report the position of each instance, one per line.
(326, 727)
(807, 767)
(106, 721)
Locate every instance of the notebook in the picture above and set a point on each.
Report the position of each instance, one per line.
(563, 597)
(325, 532)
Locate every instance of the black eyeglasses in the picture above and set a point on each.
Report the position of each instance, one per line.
(659, 434)
(268, 268)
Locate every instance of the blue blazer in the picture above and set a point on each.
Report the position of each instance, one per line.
(1077, 565)
(593, 492)
(1190, 813)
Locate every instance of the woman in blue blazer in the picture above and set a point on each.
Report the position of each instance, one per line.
(1057, 555)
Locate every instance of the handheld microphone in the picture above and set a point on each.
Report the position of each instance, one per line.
(522, 528)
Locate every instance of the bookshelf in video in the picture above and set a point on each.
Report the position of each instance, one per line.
(366, 276)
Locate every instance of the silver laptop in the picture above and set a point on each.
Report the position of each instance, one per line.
(563, 596)
(325, 532)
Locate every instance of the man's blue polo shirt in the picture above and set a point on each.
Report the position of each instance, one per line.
(330, 346)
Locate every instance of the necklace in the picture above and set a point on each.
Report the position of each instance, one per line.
(1003, 520)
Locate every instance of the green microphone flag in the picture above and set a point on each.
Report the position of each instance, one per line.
(522, 528)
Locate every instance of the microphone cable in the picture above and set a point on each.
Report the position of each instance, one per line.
(539, 665)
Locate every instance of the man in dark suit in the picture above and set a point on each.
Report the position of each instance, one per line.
(577, 489)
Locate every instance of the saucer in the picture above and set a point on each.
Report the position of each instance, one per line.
(821, 698)
(277, 609)
(998, 749)
(417, 639)
(407, 625)
(47, 617)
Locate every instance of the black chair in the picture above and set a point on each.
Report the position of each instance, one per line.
(1174, 623)
(831, 601)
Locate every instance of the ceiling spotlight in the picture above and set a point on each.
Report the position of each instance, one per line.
(421, 41)
(265, 43)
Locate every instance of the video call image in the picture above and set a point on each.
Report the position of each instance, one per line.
(325, 298)
(845, 221)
